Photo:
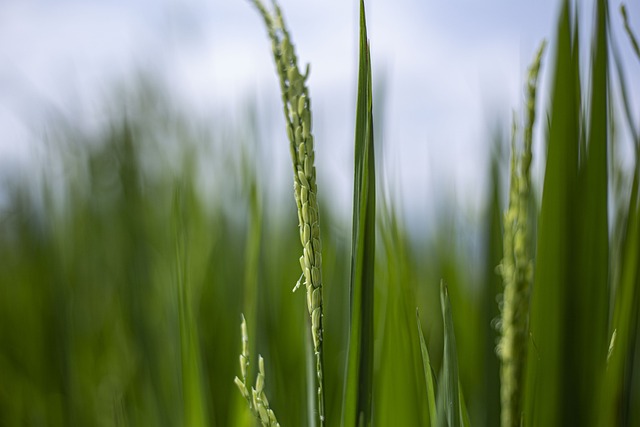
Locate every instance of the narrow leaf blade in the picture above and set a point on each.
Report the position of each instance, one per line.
(450, 387)
(428, 377)
(358, 396)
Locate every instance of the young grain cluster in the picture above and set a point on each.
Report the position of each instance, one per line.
(297, 113)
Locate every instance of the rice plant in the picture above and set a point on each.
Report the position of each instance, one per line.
(124, 271)
(517, 266)
(297, 112)
(257, 399)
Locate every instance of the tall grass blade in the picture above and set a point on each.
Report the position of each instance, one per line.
(252, 248)
(615, 396)
(450, 382)
(398, 396)
(195, 413)
(625, 308)
(588, 297)
(546, 377)
(615, 399)
(428, 376)
(464, 412)
(492, 287)
(357, 409)
(576, 61)
(251, 262)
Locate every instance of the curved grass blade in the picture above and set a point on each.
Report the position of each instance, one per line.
(357, 405)
(624, 92)
(428, 376)
(627, 28)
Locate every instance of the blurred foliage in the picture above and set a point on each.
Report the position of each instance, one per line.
(99, 244)
(128, 254)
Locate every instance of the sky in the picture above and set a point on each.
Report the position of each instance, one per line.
(447, 74)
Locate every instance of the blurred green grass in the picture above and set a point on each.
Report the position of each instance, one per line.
(122, 278)
(90, 301)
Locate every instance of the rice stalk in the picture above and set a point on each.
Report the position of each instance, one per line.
(517, 265)
(257, 399)
(297, 113)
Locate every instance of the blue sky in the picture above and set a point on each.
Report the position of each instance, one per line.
(451, 69)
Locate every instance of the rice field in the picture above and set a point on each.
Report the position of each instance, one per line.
(147, 269)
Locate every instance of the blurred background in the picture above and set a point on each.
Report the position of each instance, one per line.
(145, 195)
(449, 76)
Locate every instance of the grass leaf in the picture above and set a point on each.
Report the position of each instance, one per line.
(545, 376)
(357, 409)
(450, 385)
(195, 413)
(464, 413)
(588, 298)
(625, 308)
(428, 376)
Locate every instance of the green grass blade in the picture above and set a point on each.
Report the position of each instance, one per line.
(428, 376)
(624, 92)
(546, 377)
(575, 48)
(357, 409)
(492, 286)
(625, 307)
(252, 251)
(399, 395)
(588, 298)
(627, 28)
(253, 242)
(450, 383)
(195, 413)
(464, 413)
